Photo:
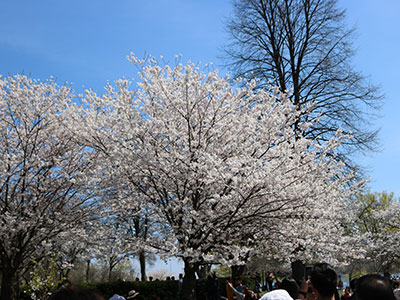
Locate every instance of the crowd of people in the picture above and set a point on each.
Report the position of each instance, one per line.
(320, 283)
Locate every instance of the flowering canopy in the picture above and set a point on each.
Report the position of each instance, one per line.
(219, 167)
(44, 176)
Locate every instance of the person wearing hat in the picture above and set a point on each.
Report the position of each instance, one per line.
(132, 295)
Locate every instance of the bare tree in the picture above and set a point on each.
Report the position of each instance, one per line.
(305, 46)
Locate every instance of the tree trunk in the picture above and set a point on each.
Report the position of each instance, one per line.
(142, 261)
(9, 284)
(87, 270)
(189, 282)
(110, 268)
(238, 271)
(298, 271)
(351, 272)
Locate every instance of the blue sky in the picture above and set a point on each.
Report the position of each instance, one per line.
(86, 43)
(378, 45)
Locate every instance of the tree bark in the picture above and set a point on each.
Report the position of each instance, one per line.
(298, 270)
(87, 270)
(189, 281)
(110, 268)
(9, 284)
(142, 261)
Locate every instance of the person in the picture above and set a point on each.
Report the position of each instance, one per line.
(212, 287)
(257, 286)
(353, 283)
(340, 284)
(374, 287)
(270, 280)
(291, 286)
(117, 297)
(232, 292)
(277, 295)
(228, 289)
(132, 295)
(396, 290)
(323, 280)
(75, 294)
(309, 294)
(288, 289)
(346, 293)
(248, 294)
(238, 285)
(180, 284)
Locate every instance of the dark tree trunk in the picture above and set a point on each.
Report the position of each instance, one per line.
(111, 264)
(87, 270)
(110, 268)
(298, 271)
(238, 271)
(352, 268)
(142, 261)
(189, 282)
(9, 284)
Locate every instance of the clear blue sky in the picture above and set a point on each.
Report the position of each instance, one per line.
(86, 43)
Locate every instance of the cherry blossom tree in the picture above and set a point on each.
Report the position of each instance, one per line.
(83, 244)
(378, 223)
(136, 229)
(220, 167)
(45, 177)
(387, 240)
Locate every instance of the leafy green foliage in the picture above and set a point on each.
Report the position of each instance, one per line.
(44, 280)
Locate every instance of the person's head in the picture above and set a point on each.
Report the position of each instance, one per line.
(324, 280)
(237, 281)
(248, 293)
(353, 283)
(291, 287)
(75, 294)
(277, 295)
(372, 287)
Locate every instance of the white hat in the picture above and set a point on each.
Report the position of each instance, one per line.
(132, 294)
(277, 295)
